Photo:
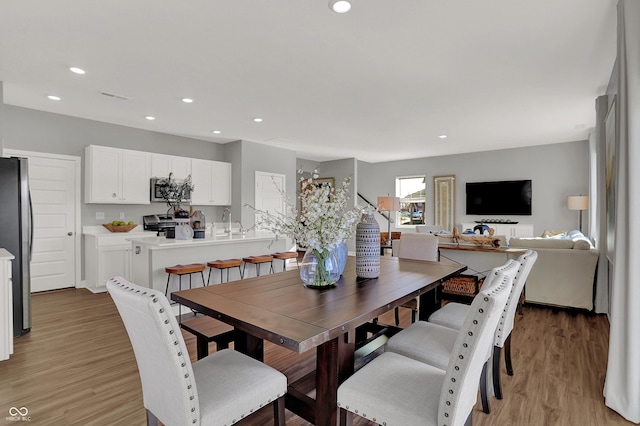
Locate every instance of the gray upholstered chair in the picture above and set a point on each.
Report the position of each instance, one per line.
(433, 343)
(452, 315)
(397, 390)
(219, 389)
(416, 247)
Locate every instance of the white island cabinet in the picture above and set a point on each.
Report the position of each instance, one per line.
(116, 176)
(107, 254)
(6, 305)
(151, 255)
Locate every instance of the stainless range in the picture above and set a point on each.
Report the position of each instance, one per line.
(159, 222)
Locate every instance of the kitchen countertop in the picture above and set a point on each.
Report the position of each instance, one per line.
(101, 230)
(163, 242)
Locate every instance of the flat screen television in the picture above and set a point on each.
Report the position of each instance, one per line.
(511, 197)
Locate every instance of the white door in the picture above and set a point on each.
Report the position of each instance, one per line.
(268, 193)
(54, 181)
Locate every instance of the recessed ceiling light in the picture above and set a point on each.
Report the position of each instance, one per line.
(258, 120)
(187, 100)
(442, 136)
(217, 132)
(54, 97)
(340, 6)
(150, 117)
(77, 70)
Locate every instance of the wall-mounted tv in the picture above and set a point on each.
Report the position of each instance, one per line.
(511, 197)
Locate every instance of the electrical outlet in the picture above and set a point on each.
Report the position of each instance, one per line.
(121, 215)
(99, 215)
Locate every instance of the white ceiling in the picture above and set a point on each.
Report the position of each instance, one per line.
(379, 83)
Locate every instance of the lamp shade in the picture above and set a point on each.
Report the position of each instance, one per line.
(578, 202)
(390, 204)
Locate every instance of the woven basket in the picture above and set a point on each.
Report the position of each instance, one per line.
(465, 285)
(123, 228)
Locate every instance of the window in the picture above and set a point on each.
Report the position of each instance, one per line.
(412, 193)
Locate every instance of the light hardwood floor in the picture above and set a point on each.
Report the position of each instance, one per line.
(76, 367)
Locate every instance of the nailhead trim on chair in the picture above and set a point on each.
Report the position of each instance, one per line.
(181, 358)
(452, 377)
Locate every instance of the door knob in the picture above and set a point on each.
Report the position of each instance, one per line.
(69, 233)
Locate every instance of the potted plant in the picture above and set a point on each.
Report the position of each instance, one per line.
(175, 192)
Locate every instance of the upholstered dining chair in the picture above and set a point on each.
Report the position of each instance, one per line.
(416, 247)
(397, 390)
(453, 314)
(219, 389)
(433, 343)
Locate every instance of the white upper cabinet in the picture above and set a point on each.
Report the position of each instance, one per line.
(212, 183)
(162, 165)
(116, 176)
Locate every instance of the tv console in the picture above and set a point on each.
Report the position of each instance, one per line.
(509, 230)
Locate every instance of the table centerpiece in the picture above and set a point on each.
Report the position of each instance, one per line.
(322, 224)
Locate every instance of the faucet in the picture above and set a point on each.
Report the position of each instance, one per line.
(226, 214)
(241, 228)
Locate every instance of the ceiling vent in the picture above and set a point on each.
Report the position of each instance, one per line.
(113, 95)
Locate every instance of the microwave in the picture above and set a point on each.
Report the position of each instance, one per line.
(156, 195)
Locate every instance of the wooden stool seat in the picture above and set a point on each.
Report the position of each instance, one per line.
(207, 329)
(224, 264)
(181, 270)
(284, 255)
(258, 260)
(184, 269)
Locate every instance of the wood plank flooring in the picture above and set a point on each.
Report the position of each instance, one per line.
(76, 367)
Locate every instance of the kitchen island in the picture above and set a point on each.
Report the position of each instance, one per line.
(151, 255)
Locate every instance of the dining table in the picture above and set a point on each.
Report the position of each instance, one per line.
(279, 309)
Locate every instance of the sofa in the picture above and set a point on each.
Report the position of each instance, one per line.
(565, 271)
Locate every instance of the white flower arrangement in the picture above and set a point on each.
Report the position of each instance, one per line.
(323, 221)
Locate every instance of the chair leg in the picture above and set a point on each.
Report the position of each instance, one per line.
(413, 315)
(345, 418)
(484, 393)
(202, 276)
(507, 355)
(278, 412)
(209, 278)
(166, 290)
(397, 314)
(497, 390)
(151, 419)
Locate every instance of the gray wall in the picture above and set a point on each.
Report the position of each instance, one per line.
(1, 115)
(257, 157)
(556, 171)
(38, 131)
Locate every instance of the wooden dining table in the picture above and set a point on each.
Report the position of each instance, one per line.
(279, 309)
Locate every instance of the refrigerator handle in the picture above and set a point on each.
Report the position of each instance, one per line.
(30, 227)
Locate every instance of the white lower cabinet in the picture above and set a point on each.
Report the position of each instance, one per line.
(6, 305)
(106, 256)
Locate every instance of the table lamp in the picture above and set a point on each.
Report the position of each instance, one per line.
(389, 204)
(578, 202)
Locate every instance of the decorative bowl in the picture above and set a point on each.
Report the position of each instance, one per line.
(120, 228)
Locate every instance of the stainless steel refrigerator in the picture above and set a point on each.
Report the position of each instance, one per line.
(16, 235)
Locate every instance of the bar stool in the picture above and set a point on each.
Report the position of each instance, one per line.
(284, 255)
(224, 264)
(258, 260)
(181, 270)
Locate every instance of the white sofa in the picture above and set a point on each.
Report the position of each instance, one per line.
(565, 271)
